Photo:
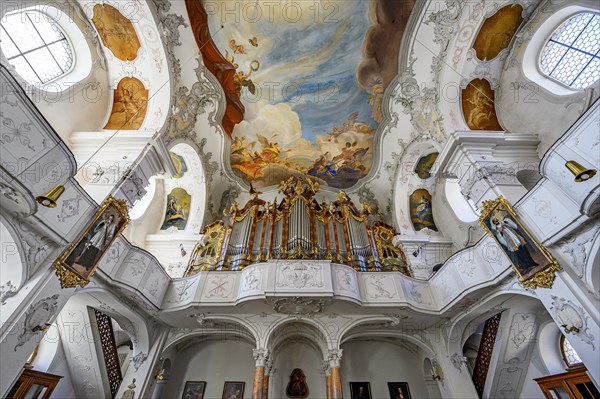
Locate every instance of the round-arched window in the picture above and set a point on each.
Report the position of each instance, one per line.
(35, 45)
(569, 355)
(572, 55)
(463, 208)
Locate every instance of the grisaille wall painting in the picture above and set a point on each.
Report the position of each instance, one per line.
(129, 105)
(478, 106)
(116, 32)
(497, 31)
(421, 212)
(312, 90)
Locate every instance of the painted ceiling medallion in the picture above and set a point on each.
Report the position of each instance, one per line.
(309, 85)
(497, 31)
(116, 32)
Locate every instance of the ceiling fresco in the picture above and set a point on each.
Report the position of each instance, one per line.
(497, 31)
(311, 78)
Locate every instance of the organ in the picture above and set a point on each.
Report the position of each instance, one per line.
(298, 227)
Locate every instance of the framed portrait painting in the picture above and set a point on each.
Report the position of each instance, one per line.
(194, 390)
(360, 390)
(79, 261)
(399, 390)
(233, 390)
(533, 264)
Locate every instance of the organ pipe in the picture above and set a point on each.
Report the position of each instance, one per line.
(298, 227)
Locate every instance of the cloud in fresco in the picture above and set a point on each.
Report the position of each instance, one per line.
(382, 42)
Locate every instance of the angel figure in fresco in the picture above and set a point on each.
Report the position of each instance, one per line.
(350, 122)
(239, 145)
(270, 149)
(240, 79)
(323, 166)
(237, 48)
(482, 110)
(351, 157)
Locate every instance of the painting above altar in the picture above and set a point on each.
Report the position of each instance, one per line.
(311, 77)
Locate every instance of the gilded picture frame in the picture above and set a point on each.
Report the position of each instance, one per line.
(77, 264)
(533, 264)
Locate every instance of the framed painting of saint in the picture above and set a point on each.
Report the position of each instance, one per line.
(532, 263)
(194, 390)
(233, 390)
(360, 390)
(399, 390)
(78, 263)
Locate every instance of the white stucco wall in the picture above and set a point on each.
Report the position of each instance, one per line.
(298, 355)
(214, 362)
(379, 363)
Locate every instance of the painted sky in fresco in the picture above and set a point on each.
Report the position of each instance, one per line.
(308, 114)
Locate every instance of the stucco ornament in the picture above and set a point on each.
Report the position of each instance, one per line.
(572, 319)
(458, 361)
(38, 318)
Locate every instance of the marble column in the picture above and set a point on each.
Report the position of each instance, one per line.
(266, 378)
(335, 378)
(327, 373)
(261, 357)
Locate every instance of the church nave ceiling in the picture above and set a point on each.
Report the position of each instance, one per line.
(309, 81)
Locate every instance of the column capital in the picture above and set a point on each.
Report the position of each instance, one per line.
(326, 368)
(261, 356)
(334, 356)
(268, 366)
(458, 361)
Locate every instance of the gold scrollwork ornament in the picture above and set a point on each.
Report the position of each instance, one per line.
(542, 279)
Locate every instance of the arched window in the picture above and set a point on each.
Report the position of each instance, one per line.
(569, 355)
(463, 208)
(36, 46)
(572, 55)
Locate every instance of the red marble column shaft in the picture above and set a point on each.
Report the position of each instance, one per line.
(336, 383)
(328, 386)
(259, 376)
(265, 389)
